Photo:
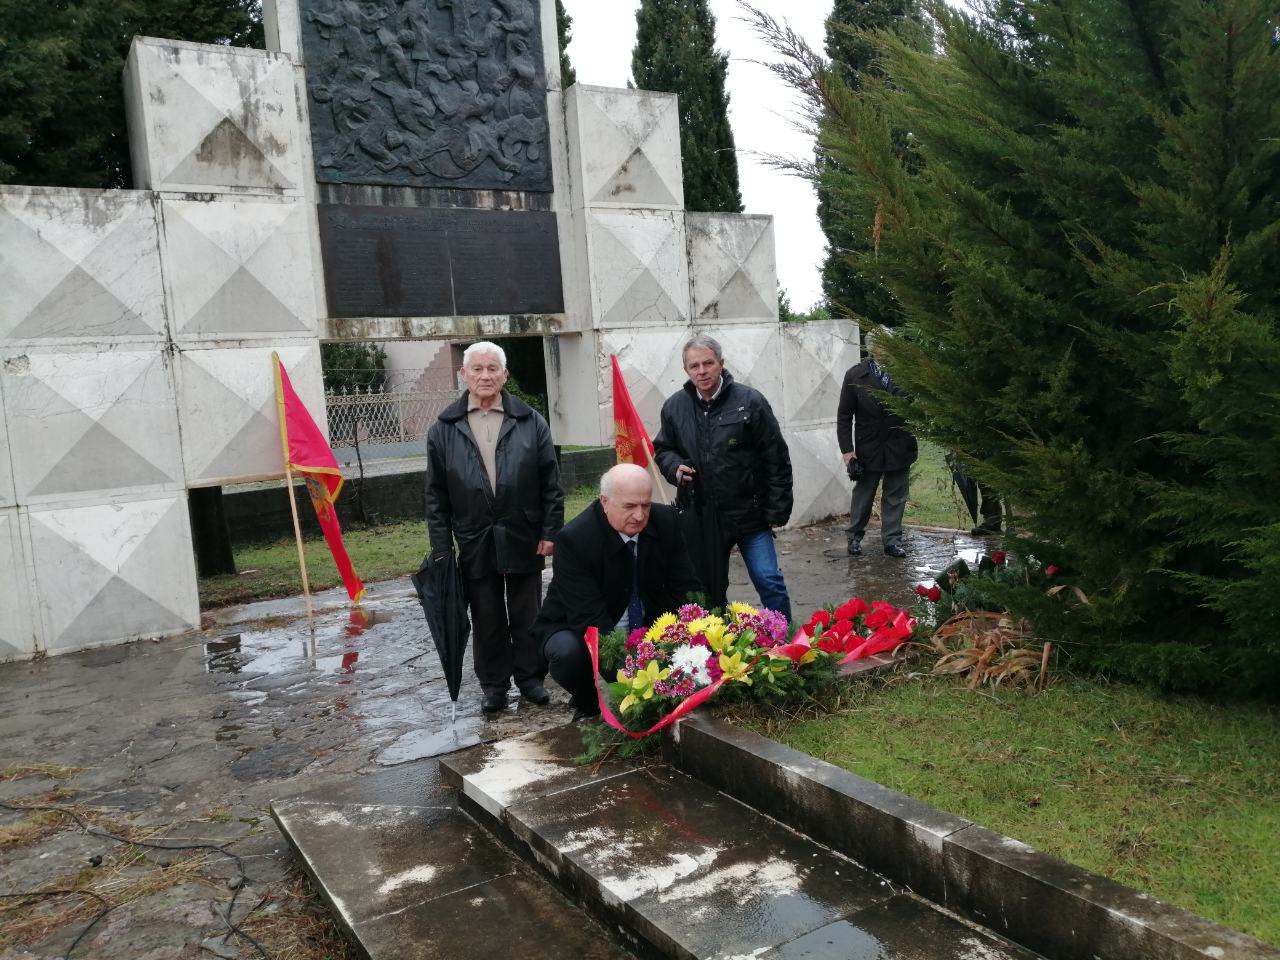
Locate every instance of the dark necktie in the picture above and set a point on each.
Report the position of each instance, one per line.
(635, 609)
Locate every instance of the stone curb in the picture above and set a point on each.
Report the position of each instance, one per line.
(1055, 908)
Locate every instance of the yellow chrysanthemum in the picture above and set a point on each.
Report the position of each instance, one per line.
(742, 609)
(655, 632)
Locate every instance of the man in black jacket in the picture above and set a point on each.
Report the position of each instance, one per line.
(620, 564)
(884, 447)
(719, 440)
(493, 485)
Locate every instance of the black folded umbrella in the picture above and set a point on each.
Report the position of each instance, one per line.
(967, 486)
(444, 601)
(704, 539)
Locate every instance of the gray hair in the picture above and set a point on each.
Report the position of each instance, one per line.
(702, 341)
(482, 347)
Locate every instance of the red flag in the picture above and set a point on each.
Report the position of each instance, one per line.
(306, 451)
(630, 438)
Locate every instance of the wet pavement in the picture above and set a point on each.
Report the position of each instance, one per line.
(193, 736)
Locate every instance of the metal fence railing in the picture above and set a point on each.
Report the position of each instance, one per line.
(374, 416)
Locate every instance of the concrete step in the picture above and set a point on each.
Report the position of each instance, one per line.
(409, 876)
(686, 872)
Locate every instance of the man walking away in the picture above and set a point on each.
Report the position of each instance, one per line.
(868, 431)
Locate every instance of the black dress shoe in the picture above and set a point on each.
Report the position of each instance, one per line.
(580, 714)
(893, 550)
(495, 701)
(536, 693)
(855, 549)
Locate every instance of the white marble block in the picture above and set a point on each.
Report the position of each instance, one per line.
(18, 626)
(639, 272)
(208, 117)
(733, 275)
(624, 148)
(227, 407)
(574, 389)
(79, 265)
(110, 572)
(651, 365)
(89, 421)
(821, 486)
(239, 269)
(815, 356)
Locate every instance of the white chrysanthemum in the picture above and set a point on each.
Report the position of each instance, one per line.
(692, 661)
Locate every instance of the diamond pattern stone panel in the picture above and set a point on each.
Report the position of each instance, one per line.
(650, 362)
(117, 571)
(821, 486)
(639, 272)
(751, 354)
(239, 269)
(626, 147)
(90, 422)
(733, 274)
(79, 264)
(204, 116)
(227, 408)
(18, 636)
(815, 356)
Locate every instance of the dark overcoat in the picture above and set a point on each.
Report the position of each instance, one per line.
(879, 436)
(496, 531)
(591, 583)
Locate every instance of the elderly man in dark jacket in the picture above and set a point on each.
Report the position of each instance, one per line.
(493, 485)
(720, 440)
(621, 563)
(880, 442)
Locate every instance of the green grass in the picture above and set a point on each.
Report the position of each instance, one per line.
(933, 500)
(380, 552)
(1175, 796)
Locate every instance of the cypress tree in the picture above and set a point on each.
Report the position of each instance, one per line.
(849, 228)
(1086, 256)
(564, 31)
(676, 52)
(60, 65)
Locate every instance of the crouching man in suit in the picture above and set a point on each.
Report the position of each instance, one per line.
(619, 565)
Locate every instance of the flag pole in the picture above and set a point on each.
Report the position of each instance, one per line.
(297, 533)
(288, 482)
(659, 483)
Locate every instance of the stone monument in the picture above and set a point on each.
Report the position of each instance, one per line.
(388, 169)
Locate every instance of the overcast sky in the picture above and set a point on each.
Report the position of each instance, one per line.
(760, 107)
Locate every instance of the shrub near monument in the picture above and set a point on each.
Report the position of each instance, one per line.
(1084, 242)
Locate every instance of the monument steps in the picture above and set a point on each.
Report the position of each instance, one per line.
(729, 847)
(688, 872)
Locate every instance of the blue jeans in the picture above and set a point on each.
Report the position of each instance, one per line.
(761, 559)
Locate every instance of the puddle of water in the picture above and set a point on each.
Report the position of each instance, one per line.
(419, 744)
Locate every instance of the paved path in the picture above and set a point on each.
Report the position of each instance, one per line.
(193, 736)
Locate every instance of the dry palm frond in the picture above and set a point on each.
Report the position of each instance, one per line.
(989, 647)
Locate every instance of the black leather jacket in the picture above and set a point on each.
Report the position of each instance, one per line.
(737, 449)
(497, 532)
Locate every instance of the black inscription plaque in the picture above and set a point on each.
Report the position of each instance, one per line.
(430, 262)
(427, 93)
